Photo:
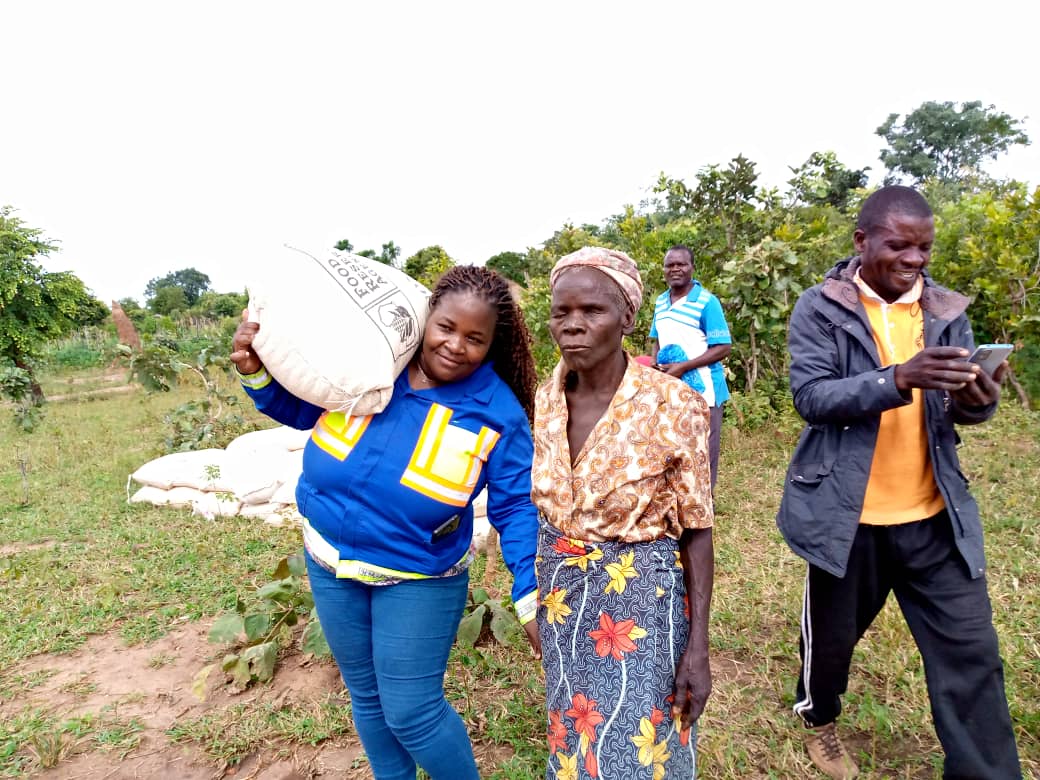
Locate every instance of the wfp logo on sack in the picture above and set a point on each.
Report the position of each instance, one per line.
(396, 316)
(380, 296)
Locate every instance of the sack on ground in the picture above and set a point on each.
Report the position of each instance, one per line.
(174, 497)
(280, 437)
(198, 469)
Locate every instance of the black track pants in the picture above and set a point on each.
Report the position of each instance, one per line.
(951, 621)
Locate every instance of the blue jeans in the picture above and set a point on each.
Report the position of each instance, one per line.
(391, 644)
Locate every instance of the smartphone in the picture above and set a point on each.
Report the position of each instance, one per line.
(446, 528)
(989, 356)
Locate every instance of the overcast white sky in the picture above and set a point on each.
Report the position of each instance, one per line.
(148, 137)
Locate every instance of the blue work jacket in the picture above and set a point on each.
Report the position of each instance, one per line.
(379, 489)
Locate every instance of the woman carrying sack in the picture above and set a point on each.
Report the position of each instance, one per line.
(387, 501)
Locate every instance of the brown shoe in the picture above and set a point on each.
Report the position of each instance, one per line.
(829, 755)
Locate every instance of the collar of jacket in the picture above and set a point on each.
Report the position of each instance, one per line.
(480, 386)
(941, 303)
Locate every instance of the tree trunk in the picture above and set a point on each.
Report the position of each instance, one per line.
(36, 391)
(753, 367)
(490, 559)
(1023, 396)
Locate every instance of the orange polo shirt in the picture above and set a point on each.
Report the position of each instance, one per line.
(901, 487)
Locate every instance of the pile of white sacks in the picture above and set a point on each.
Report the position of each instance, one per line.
(255, 476)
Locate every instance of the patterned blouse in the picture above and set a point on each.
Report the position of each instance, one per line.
(643, 472)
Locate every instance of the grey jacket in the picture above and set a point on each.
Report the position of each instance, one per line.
(840, 389)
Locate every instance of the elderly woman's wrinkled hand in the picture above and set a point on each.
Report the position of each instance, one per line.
(692, 687)
(531, 629)
(242, 354)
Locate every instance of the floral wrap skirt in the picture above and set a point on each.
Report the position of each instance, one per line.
(614, 623)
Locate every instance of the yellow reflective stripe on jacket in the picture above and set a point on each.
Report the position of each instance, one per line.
(338, 434)
(447, 460)
(257, 381)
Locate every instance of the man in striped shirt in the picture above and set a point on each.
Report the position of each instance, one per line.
(691, 338)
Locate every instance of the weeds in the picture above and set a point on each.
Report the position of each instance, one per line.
(261, 625)
(485, 617)
(230, 733)
(211, 420)
(90, 347)
(35, 740)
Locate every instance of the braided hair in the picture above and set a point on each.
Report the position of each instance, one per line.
(511, 343)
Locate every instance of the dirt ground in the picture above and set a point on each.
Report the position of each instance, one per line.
(132, 683)
(110, 383)
(106, 674)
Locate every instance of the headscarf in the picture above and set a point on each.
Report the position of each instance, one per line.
(617, 265)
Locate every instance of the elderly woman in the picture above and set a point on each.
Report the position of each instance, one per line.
(621, 480)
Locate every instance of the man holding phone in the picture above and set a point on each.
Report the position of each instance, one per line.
(874, 500)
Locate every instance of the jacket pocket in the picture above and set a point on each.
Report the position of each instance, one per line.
(809, 473)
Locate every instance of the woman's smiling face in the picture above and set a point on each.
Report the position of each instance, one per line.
(457, 338)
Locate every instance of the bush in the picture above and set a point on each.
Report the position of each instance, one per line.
(16, 386)
(769, 404)
(210, 421)
(88, 348)
(1026, 364)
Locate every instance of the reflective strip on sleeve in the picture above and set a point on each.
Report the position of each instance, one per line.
(527, 607)
(257, 381)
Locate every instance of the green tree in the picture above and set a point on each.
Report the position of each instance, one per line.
(35, 305)
(512, 265)
(91, 312)
(389, 254)
(535, 300)
(724, 204)
(987, 246)
(940, 140)
(168, 300)
(823, 180)
(759, 290)
(427, 265)
(567, 239)
(190, 281)
(214, 305)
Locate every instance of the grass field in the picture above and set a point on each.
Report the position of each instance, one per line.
(104, 608)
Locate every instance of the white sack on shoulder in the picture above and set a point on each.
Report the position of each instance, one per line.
(336, 329)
